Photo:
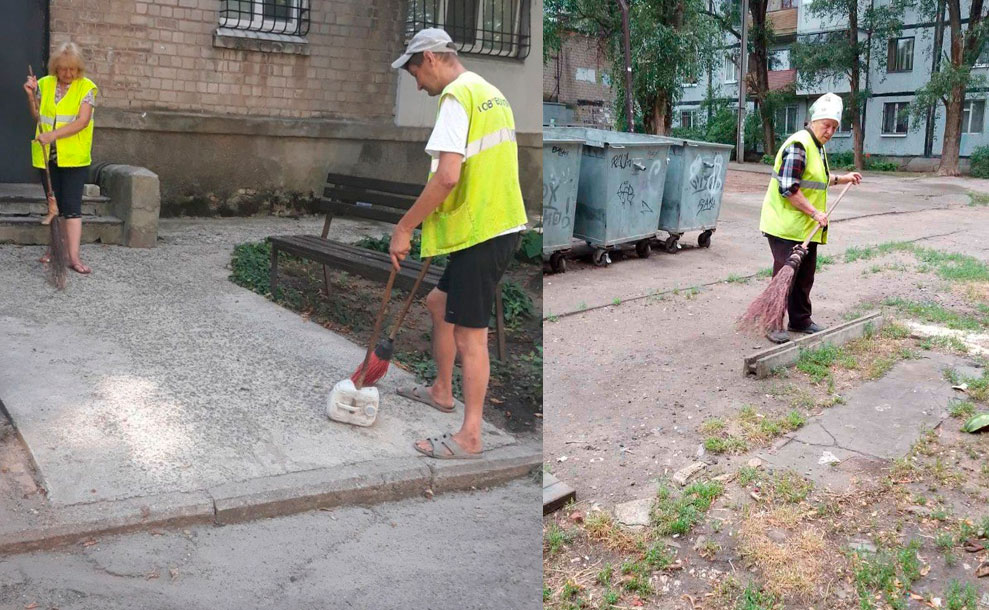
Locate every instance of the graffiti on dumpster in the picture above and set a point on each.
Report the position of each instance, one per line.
(553, 215)
(705, 180)
(656, 176)
(626, 193)
(621, 161)
(562, 152)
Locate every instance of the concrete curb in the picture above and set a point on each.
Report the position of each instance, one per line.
(371, 483)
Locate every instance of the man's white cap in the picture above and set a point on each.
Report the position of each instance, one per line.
(430, 39)
(828, 106)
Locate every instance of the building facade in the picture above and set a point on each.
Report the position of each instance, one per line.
(577, 84)
(888, 132)
(230, 101)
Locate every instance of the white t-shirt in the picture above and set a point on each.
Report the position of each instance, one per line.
(450, 135)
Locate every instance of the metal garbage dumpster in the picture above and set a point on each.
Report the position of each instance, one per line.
(561, 173)
(695, 183)
(620, 194)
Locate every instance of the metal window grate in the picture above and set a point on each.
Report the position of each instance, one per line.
(480, 27)
(289, 17)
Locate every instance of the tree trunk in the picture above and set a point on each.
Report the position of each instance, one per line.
(660, 115)
(853, 82)
(759, 69)
(955, 101)
(951, 141)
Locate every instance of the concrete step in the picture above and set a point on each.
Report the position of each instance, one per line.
(91, 206)
(28, 230)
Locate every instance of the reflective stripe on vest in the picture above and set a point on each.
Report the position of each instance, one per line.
(806, 184)
(504, 134)
(487, 199)
(779, 217)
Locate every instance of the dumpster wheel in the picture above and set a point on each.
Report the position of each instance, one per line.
(601, 257)
(670, 245)
(642, 248)
(704, 241)
(557, 262)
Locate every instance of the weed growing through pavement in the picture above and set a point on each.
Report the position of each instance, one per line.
(674, 513)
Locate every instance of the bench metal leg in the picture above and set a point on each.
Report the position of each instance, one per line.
(326, 275)
(273, 276)
(500, 323)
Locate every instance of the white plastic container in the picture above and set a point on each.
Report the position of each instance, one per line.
(349, 405)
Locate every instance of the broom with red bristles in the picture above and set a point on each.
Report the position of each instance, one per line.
(376, 363)
(767, 310)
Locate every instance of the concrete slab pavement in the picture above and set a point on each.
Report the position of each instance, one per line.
(157, 376)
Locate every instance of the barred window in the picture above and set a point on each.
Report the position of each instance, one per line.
(482, 27)
(268, 16)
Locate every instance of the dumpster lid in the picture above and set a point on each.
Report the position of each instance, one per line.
(709, 144)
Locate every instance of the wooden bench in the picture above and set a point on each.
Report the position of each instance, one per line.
(373, 199)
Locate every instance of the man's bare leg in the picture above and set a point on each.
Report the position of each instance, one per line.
(444, 349)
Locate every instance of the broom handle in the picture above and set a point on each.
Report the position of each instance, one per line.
(828, 215)
(44, 153)
(377, 327)
(408, 301)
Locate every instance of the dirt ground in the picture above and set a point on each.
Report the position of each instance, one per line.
(639, 388)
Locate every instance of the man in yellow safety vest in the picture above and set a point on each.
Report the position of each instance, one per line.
(471, 209)
(796, 201)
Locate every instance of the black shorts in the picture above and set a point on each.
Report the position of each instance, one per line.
(67, 185)
(471, 278)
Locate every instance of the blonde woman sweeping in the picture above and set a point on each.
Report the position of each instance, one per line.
(65, 116)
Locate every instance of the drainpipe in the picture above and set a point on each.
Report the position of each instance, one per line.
(936, 65)
(743, 53)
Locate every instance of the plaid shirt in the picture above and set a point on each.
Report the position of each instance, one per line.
(794, 162)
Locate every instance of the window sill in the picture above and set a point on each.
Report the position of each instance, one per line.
(892, 135)
(243, 40)
(842, 135)
(899, 71)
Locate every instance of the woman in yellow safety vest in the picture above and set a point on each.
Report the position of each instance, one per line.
(796, 202)
(64, 114)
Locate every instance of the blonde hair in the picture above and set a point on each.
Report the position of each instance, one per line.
(67, 51)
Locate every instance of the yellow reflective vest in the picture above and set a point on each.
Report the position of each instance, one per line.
(487, 200)
(779, 217)
(74, 150)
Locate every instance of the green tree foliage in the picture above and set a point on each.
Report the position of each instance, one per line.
(672, 42)
(845, 54)
(949, 84)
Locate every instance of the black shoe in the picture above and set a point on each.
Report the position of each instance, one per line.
(778, 336)
(810, 329)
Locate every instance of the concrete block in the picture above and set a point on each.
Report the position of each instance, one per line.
(136, 196)
(365, 483)
(77, 522)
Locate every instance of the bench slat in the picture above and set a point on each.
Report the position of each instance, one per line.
(359, 261)
(386, 186)
(382, 214)
(352, 195)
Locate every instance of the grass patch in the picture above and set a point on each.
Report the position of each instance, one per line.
(672, 514)
(930, 311)
(788, 487)
(736, 279)
(817, 362)
(976, 198)
(555, 538)
(824, 261)
(948, 343)
(961, 597)
(886, 575)
(765, 273)
(961, 409)
(728, 444)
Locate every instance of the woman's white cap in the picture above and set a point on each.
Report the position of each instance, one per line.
(828, 106)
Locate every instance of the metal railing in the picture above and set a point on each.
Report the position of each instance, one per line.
(266, 16)
(481, 27)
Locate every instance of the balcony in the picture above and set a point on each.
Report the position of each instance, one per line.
(782, 79)
(783, 22)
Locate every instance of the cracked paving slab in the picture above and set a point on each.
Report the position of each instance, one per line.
(879, 422)
(156, 374)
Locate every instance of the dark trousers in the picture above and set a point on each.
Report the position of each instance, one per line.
(68, 184)
(798, 307)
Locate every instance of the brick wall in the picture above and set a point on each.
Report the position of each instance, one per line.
(566, 79)
(160, 55)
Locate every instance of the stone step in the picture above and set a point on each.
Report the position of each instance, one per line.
(91, 206)
(28, 230)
